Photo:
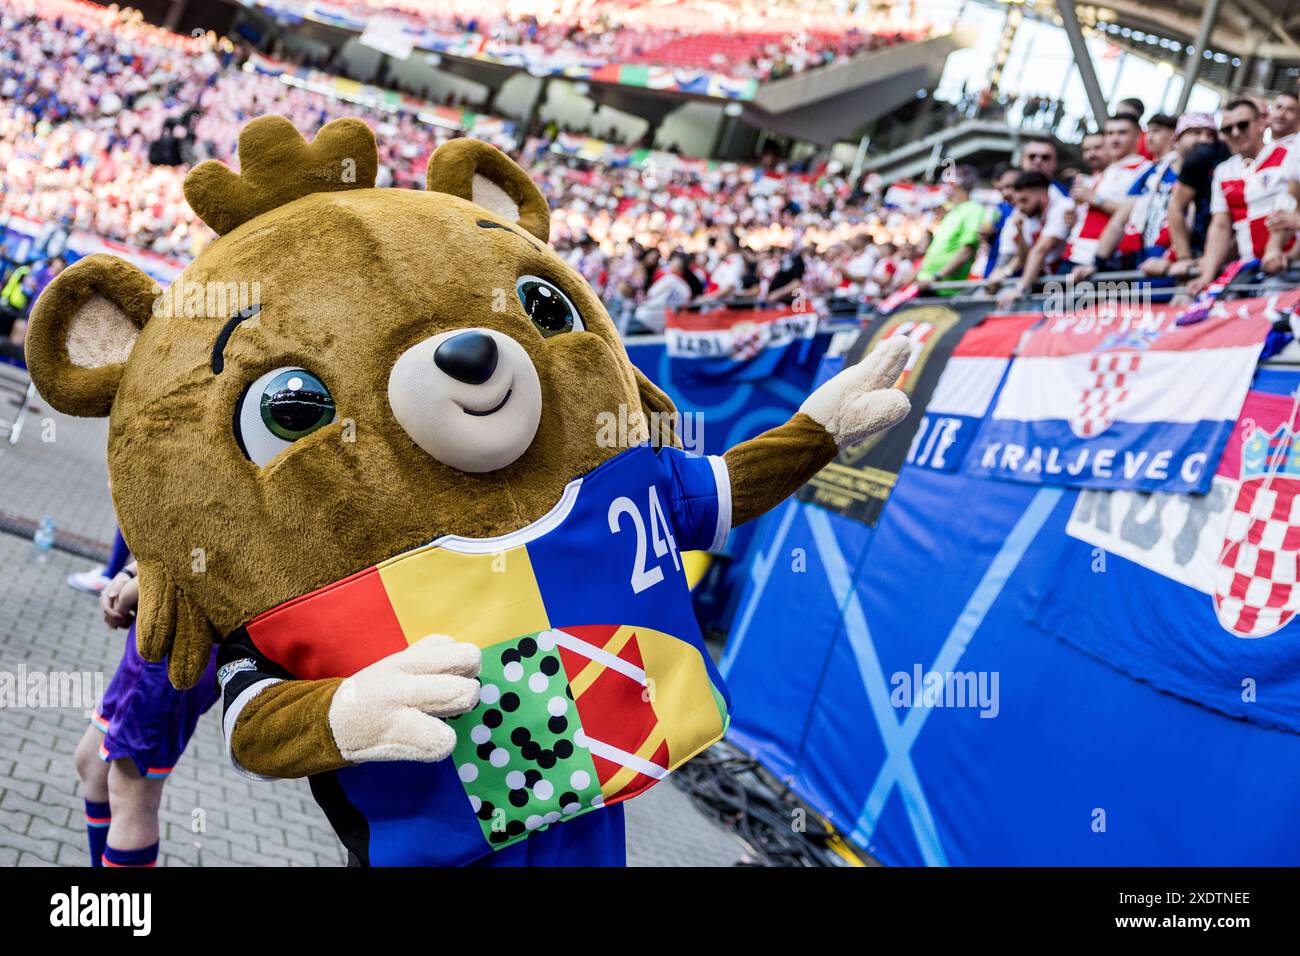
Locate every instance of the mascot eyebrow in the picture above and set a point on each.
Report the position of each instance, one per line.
(219, 346)
(489, 224)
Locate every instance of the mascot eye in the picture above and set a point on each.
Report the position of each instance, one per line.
(548, 307)
(280, 407)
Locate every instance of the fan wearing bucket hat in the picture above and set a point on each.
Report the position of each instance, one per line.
(1140, 230)
(1189, 204)
(1247, 189)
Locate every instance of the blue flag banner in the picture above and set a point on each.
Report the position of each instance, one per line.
(965, 390)
(726, 411)
(26, 240)
(1033, 678)
(1207, 584)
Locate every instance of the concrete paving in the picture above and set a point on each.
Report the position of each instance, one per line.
(211, 815)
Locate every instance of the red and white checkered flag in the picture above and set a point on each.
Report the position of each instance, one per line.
(1255, 589)
(1100, 401)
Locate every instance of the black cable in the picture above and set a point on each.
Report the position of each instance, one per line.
(729, 787)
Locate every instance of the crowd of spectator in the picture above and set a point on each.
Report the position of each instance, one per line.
(101, 116)
(85, 91)
(749, 39)
(623, 227)
(1179, 197)
(1172, 199)
(1034, 111)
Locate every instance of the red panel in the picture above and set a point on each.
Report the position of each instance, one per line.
(1234, 194)
(1259, 235)
(613, 709)
(995, 337)
(641, 781)
(1275, 158)
(333, 632)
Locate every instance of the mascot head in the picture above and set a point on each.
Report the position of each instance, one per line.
(345, 373)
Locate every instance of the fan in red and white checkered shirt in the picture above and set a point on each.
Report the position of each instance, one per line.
(1257, 180)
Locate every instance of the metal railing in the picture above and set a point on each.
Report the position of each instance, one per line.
(1248, 283)
(845, 313)
(972, 290)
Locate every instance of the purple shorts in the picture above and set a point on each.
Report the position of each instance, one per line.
(144, 718)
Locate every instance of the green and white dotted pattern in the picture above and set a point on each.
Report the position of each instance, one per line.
(521, 753)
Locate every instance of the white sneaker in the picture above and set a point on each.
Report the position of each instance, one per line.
(92, 582)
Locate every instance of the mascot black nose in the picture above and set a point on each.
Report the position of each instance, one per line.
(470, 357)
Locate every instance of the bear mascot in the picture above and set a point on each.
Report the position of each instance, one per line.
(382, 486)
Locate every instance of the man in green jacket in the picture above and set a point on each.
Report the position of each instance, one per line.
(957, 240)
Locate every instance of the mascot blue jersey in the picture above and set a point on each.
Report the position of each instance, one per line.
(595, 680)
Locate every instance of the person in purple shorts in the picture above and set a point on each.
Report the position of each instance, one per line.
(135, 737)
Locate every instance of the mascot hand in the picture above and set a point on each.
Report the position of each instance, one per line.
(861, 400)
(390, 710)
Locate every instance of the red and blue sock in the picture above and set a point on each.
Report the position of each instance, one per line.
(98, 817)
(145, 856)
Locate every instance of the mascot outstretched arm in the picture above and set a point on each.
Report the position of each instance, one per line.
(359, 442)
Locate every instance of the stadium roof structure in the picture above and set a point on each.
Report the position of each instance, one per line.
(1262, 28)
(825, 105)
(821, 105)
(1232, 44)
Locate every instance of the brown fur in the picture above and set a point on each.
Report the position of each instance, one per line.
(802, 448)
(283, 731)
(278, 167)
(67, 386)
(350, 278)
(453, 173)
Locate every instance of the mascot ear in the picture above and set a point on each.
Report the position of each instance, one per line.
(478, 171)
(659, 410)
(82, 330)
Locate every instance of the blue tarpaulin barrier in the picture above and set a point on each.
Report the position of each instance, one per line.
(1063, 752)
(726, 412)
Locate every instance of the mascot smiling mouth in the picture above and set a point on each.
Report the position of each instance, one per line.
(493, 410)
(470, 398)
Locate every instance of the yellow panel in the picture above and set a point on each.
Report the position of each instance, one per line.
(682, 695)
(695, 563)
(479, 598)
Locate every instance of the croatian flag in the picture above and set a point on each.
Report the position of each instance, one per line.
(737, 345)
(965, 391)
(1126, 399)
(913, 197)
